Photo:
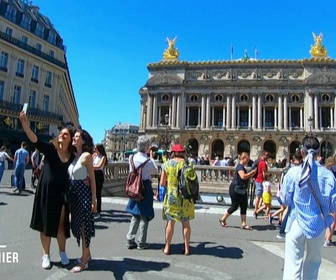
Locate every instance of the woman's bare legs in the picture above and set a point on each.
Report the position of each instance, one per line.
(86, 256)
(169, 235)
(186, 231)
(45, 241)
(61, 239)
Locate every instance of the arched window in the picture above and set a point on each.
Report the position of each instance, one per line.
(243, 146)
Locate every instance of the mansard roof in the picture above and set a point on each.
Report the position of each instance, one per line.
(24, 7)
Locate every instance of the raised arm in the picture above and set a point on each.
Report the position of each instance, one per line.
(30, 134)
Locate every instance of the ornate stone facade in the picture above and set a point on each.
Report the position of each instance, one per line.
(34, 70)
(224, 107)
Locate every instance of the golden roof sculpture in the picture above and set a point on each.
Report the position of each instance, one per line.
(317, 50)
(171, 53)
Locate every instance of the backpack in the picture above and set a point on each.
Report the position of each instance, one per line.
(255, 166)
(134, 188)
(188, 183)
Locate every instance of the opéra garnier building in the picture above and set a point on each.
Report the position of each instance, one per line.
(225, 107)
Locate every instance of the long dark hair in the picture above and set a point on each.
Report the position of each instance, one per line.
(101, 150)
(88, 141)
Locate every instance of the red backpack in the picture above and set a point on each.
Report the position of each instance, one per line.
(134, 187)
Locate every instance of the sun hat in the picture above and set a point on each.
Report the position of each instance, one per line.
(178, 148)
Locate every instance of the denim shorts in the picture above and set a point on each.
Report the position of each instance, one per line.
(279, 200)
(259, 189)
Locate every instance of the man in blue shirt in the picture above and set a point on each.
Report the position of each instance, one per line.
(21, 159)
(309, 190)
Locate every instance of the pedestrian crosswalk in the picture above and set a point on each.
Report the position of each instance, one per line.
(327, 267)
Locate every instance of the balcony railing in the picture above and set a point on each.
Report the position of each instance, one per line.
(31, 111)
(31, 50)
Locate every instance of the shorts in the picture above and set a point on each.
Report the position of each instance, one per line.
(266, 197)
(279, 200)
(259, 189)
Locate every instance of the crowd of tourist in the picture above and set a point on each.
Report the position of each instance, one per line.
(68, 195)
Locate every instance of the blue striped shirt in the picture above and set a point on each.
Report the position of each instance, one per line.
(301, 200)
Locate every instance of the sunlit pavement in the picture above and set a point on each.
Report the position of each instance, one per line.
(216, 252)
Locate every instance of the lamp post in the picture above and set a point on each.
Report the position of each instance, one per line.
(310, 123)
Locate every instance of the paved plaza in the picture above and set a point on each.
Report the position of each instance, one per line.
(216, 252)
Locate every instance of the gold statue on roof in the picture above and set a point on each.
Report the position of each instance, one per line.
(171, 53)
(317, 50)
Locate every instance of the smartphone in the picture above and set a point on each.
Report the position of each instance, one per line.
(25, 108)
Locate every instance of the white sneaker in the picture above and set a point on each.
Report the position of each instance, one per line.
(46, 262)
(64, 258)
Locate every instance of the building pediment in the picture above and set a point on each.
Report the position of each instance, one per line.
(164, 79)
(322, 78)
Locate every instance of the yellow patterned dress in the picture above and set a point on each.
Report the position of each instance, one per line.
(175, 208)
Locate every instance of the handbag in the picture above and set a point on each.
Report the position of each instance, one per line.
(241, 189)
(69, 195)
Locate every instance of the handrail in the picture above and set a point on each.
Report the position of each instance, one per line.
(212, 179)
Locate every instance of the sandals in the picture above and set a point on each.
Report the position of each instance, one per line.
(80, 267)
(79, 260)
(223, 223)
(246, 227)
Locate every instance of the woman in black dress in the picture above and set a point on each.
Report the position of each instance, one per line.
(50, 214)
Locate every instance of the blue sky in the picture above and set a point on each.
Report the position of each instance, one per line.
(110, 42)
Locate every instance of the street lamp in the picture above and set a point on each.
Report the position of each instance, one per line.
(310, 123)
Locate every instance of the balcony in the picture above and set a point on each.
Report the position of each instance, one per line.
(31, 50)
(5, 105)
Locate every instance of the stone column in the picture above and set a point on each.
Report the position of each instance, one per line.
(290, 117)
(238, 116)
(179, 110)
(173, 116)
(249, 117)
(228, 111)
(183, 109)
(254, 111)
(199, 116)
(203, 111)
(207, 119)
(310, 109)
(264, 117)
(149, 111)
(280, 118)
(233, 125)
(212, 116)
(154, 117)
(316, 115)
(285, 112)
(275, 117)
(142, 114)
(331, 117)
(224, 115)
(301, 118)
(259, 112)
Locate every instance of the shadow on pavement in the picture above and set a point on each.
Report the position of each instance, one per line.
(119, 268)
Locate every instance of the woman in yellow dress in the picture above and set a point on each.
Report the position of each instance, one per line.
(176, 208)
